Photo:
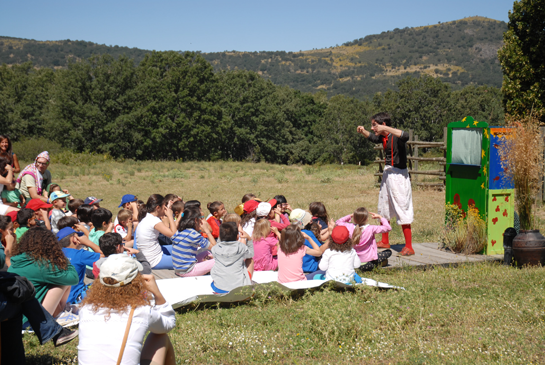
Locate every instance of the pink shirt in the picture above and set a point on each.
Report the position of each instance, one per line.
(263, 256)
(367, 247)
(290, 267)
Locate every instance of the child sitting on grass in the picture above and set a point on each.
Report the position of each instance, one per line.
(363, 237)
(84, 215)
(178, 209)
(187, 241)
(217, 211)
(102, 223)
(320, 216)
(111, 244)
(72, 243)
(73, 206)
(264, 246)
(340, 259)
(12, 198)
(59, 202)
(124, 226)
(25, 219)
(291, 252)
(229, 270)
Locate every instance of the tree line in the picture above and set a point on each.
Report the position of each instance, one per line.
(174, 106)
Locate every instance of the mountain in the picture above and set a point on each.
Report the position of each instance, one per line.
(460, 52)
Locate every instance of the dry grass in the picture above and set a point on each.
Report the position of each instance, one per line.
(522, 159)
(473, 314)
(341, 188)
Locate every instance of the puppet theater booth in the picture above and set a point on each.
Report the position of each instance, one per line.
(474, 177)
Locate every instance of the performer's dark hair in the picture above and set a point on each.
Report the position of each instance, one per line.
(381, 118)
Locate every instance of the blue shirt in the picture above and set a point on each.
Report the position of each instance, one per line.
(185, 245)
(79, 259)
(310, 263)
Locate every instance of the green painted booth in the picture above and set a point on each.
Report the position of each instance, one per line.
(474, 177)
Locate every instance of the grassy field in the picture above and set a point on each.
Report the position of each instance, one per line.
(474, 314)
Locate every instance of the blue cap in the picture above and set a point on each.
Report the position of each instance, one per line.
(127, 198)
(67, 231)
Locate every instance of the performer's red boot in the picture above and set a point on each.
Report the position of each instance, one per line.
(408, 249)
(385, 243)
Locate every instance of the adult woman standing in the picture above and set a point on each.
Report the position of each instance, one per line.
(6, 182)
(117, 313)
(32, 181)
(147, 233)
(7, 152)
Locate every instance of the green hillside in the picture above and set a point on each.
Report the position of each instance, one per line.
(57, 53)
(461, 52)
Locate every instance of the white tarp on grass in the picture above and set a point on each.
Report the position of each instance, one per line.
(180, 292)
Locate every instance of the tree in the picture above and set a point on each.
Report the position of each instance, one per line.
(522, 58)
(481, 102)
(422, 104)
(89, 103)
(336, 131)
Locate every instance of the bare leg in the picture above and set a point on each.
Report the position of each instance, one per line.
(158, 350)
(55, 299)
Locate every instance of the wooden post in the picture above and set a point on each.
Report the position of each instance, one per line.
(445, 130)
(411, 133)
(415, 154)
(541, 194)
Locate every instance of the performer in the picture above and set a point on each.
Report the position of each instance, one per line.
(395, 198)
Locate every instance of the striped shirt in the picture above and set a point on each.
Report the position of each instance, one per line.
(185, 245)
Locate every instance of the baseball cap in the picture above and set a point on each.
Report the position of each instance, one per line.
(119, 267)
(250, 206)
(263, 209)
(12, 215)
(67, 231)
(36, 204)
(273, 202)
(340, 234)
(56, 195)
(127, 198)
(300, 216)
(91, 200)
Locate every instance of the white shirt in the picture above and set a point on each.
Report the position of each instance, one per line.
(249, 227)
(147, 239)
(339, 266)
(100, 338)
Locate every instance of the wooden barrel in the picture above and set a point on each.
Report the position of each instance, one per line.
(529, 248)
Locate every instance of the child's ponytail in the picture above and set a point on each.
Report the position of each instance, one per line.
(360, 218)
(213, 207)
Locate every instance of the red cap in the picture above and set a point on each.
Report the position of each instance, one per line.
(12, 215)
(36, 204)
(250, 206)
(340, 234)
(273, 202)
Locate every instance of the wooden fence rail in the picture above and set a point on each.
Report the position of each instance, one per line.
(412, 156)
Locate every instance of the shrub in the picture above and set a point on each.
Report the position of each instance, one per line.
(28, 149)
(464, 233)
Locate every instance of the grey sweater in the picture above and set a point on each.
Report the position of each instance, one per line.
(229, 271)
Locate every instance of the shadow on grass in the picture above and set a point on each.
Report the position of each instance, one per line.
(47, 360)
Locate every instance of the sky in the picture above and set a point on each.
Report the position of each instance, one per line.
(241, 25)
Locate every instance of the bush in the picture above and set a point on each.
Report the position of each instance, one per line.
(28, 149)
(464, 233)
(78, 159)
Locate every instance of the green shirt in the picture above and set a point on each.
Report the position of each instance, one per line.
(95, 235)
(19, 232)
(42, 275)
(12, 196)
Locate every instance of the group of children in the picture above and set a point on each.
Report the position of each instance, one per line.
(260, 236)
